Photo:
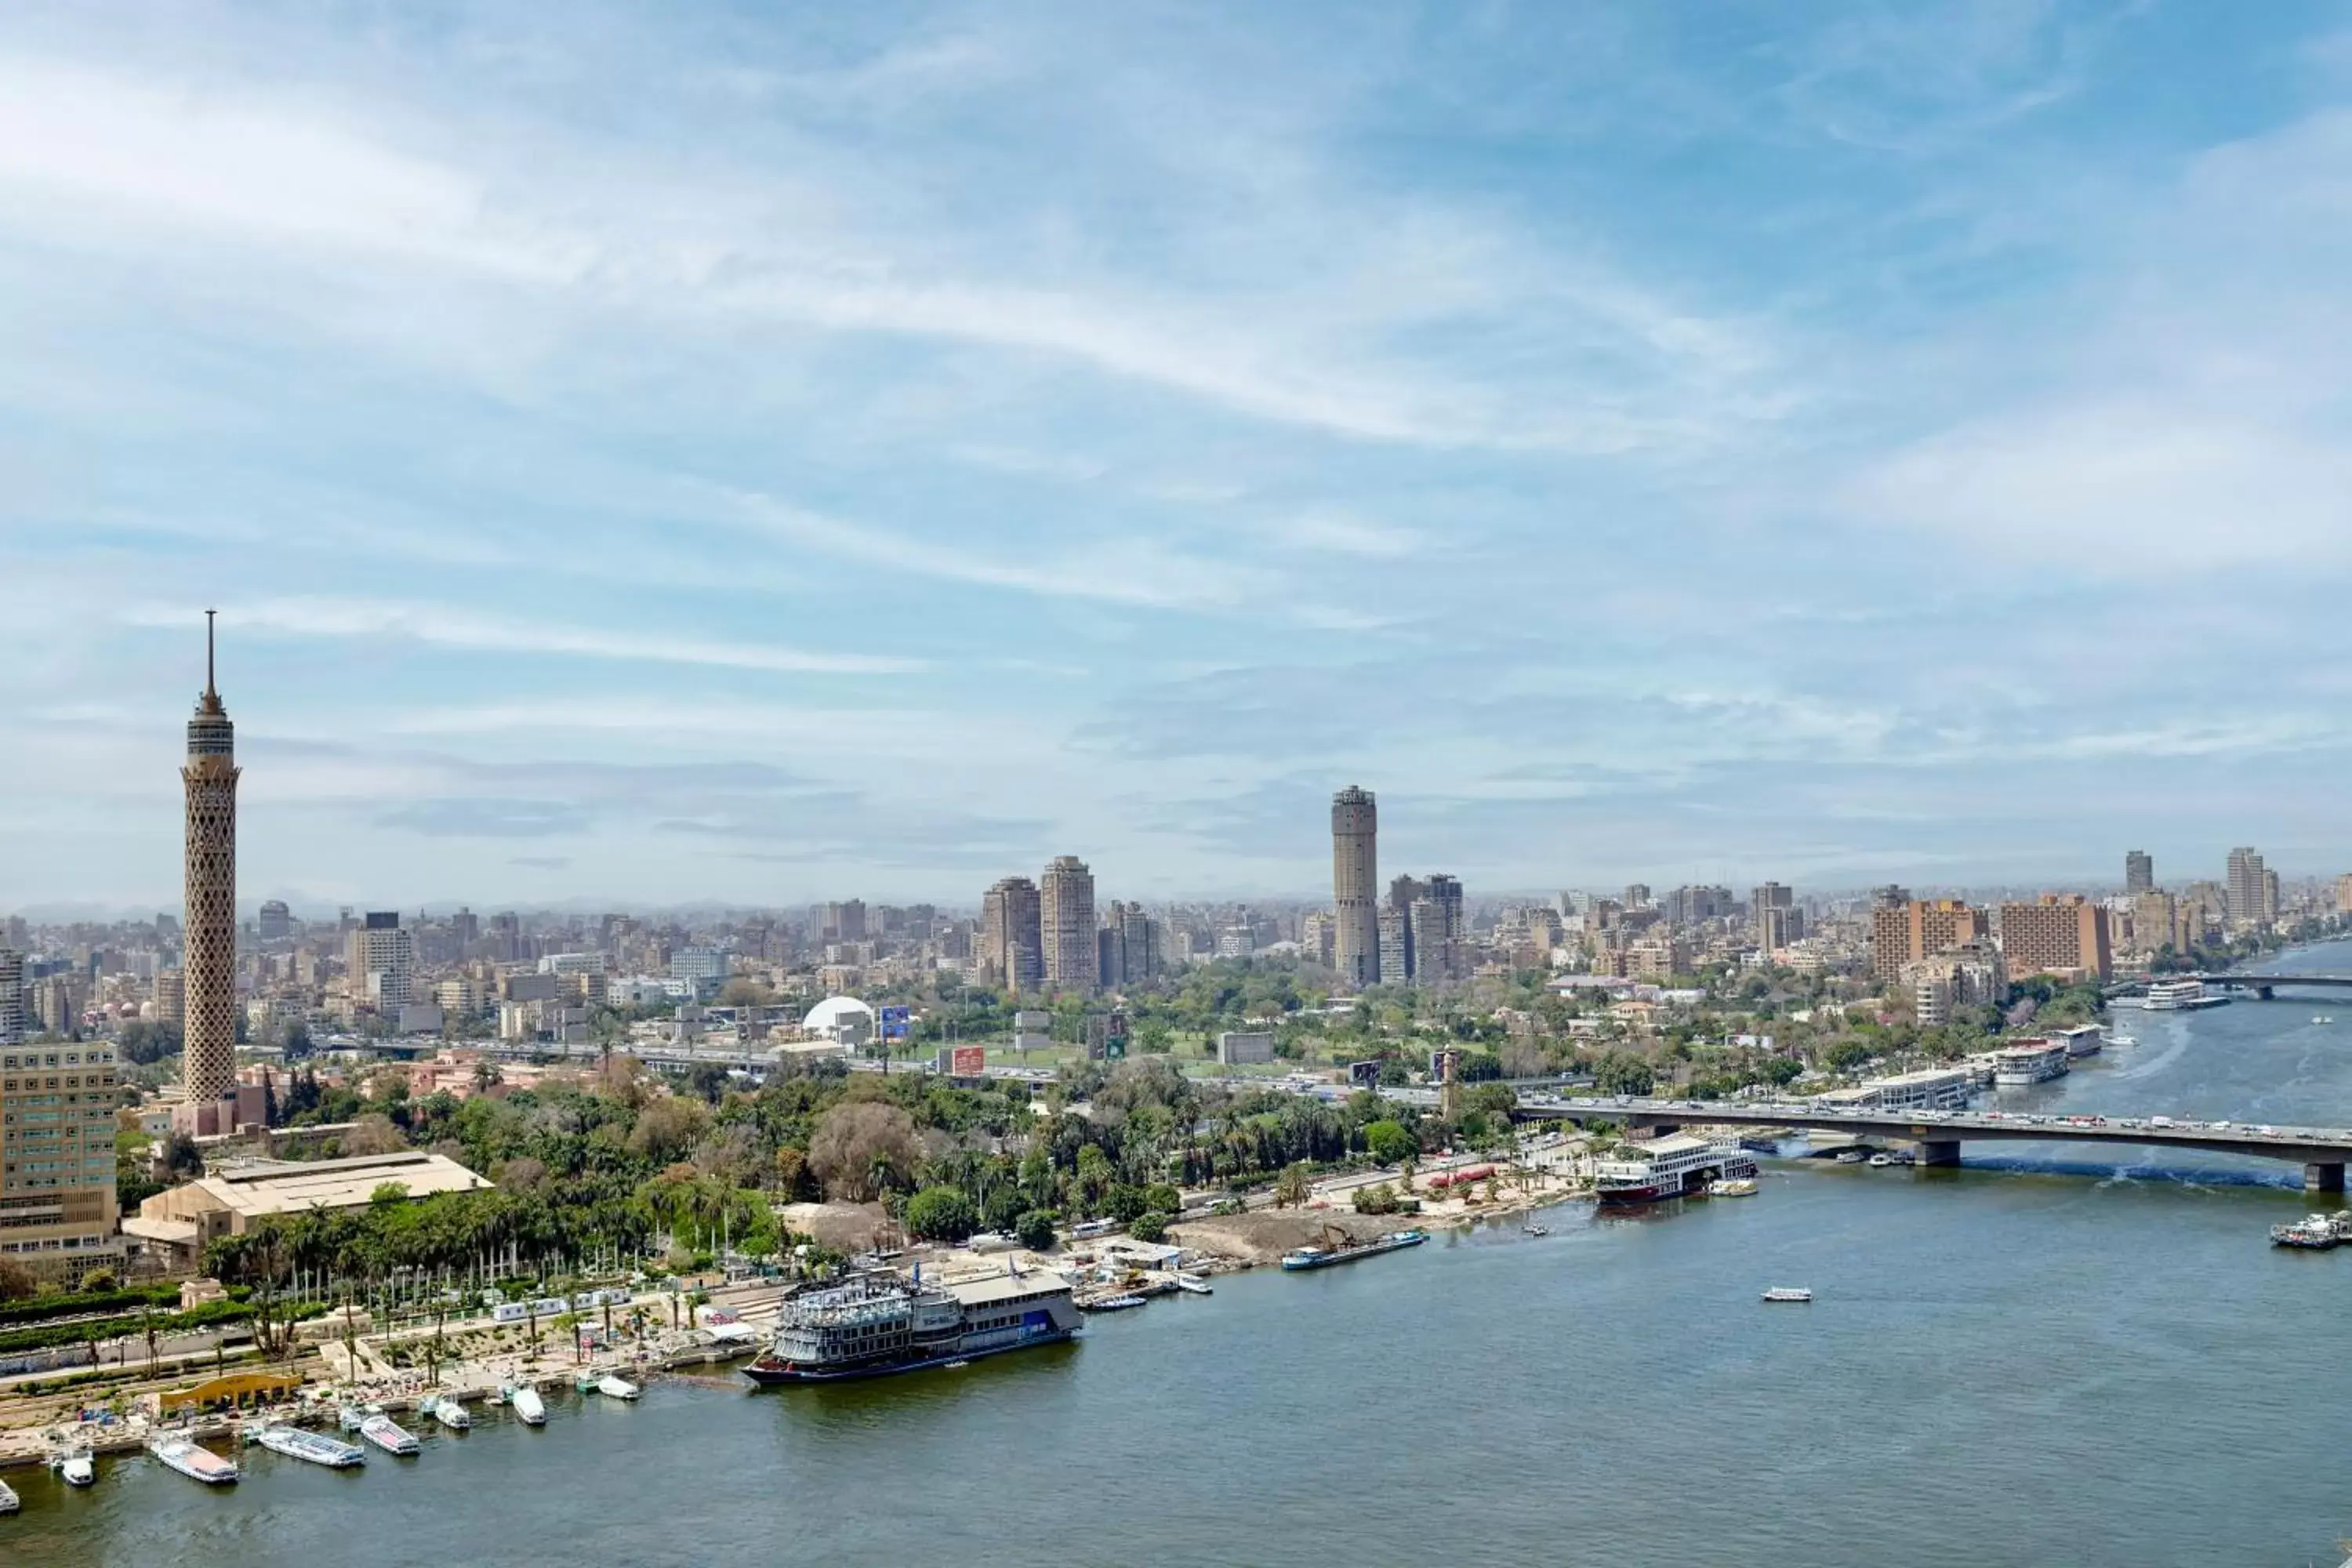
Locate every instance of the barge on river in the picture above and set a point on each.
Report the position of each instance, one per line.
(879, 1323)
(1349, 1251)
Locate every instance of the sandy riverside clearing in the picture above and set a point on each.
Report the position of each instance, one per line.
(1262, 1236)
(844, 1227)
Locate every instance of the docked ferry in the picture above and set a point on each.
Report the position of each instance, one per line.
(879, 1323)
(1678, 1166)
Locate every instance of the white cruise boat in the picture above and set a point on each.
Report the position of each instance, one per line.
(75, 1468)
(448, 1412)
(2179, 995)
(1670, 1167)
(193, 1459)
(613, 1386)
(530, 1407)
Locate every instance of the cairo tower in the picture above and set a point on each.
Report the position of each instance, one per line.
(209, 1061)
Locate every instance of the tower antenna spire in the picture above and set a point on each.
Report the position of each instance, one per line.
(209, 689)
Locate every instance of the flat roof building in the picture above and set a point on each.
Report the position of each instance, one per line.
(227, 1202)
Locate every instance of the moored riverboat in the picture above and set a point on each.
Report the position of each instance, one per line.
(1681, 1165)
(193, 1459)
(880, 1322)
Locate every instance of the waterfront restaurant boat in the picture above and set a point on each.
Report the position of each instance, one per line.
(529, 1405)
(1307, 1258)
(74, 1466)
(389, 1435)
(2179, 995)
(879, 1323)
(1671, 1167)
(193, 1459)
(2023, 1062)
(1788, 1294)
(314, 1448)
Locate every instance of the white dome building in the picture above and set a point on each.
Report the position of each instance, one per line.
(845, 1020)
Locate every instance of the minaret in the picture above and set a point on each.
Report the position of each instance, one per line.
(208, 1067)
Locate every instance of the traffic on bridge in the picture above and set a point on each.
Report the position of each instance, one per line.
(2323, 1152)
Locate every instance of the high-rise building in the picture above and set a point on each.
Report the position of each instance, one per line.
(2055, 933)
(1914, 928)
(1402, 891)
(2140, 872)
(2244, 884)
(1066, 913)
(58, 1210)
(208, 905)
(1130, 945)
(1396, 944)
(14, 1022)
(2344, 894)
(1010, 946)
(380, 958)
(276, 923)
(1431, 942)
(1355, 874)
(2270, 904)
(1318, 935)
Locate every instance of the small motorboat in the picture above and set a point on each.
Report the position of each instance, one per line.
(614, 1386)
(9, 1501)
(1535, 1229)
(529, 1405)
(1788, 1294)
(193, 1459)
(75, 1466)
(1851, 1156)
(1736, 1188)
(1193, 1285)
(1122, 1303)
(448, 1412)
(390, 1435)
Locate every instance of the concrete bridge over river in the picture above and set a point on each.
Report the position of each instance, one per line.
(2322, 1151)
(2262, 986)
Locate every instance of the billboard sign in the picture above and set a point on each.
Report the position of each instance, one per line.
(894, 1023)
(1364, 1075)
(968, 1061)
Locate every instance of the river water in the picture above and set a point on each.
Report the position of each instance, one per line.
(2026, 1361)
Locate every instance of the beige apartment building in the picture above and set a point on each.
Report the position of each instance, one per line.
(2057, 934)
(1914, 928)
(56, 1158)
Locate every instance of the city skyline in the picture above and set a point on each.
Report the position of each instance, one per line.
(1618, 488)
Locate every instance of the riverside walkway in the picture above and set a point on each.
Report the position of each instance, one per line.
(2322, 1151)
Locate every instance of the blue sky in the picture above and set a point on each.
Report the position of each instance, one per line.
(762, 453)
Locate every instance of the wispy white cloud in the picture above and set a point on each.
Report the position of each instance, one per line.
(439, 626)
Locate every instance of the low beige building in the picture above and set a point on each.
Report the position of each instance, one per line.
(173, 1227)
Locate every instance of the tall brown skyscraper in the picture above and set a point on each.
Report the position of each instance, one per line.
(209, 904)
(1354, 897)
(1066, 925)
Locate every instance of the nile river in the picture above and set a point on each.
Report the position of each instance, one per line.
(2007, 1363)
